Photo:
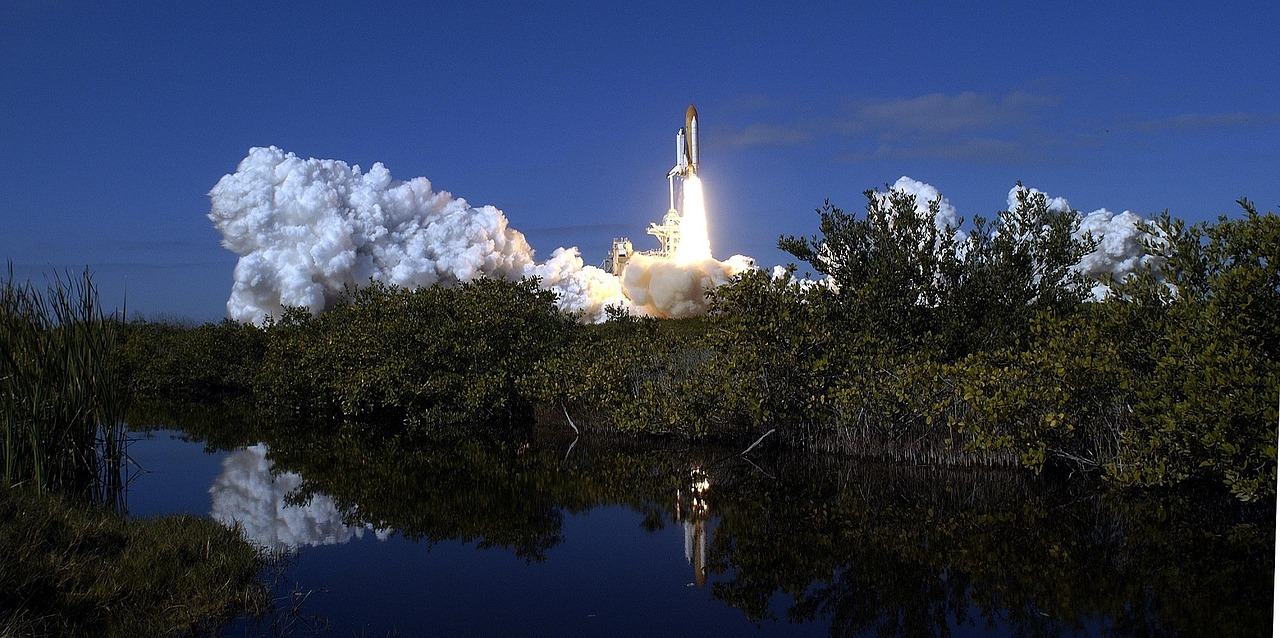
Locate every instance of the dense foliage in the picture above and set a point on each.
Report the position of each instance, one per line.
(922, 343)
(209, 362)
(429, 358)
(1174, 377)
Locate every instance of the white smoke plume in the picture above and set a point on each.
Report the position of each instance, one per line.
(1120, 238)
(305, 229)
(1058, 204)
(1120, 246)
(926, 193)
(667, 288)
(579, 288)
(248, 493)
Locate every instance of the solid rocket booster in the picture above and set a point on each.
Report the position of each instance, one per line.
(687, 146)
(682, 157)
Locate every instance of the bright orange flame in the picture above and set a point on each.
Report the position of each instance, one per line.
(695, 245)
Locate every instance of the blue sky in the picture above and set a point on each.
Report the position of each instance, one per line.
(117, 118)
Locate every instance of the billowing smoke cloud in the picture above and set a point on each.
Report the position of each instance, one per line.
(924, 194)
(660, 287)
(305, 229)
(249, 494)
(1053, 203)
(1120, 246)
(1120, 238)
(579, 288)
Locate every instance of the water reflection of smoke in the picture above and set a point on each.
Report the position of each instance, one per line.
(249, 494)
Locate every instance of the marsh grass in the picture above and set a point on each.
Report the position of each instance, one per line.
(62, 396)
(71, 570)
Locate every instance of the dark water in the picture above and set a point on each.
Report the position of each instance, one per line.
(530, 537)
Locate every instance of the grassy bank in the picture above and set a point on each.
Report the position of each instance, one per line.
(70, 564)
(74, 571)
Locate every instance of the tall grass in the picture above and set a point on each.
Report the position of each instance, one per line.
(62, 395)
(70, 570)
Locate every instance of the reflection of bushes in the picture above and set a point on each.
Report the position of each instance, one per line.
(896, 549)
(913, 552)
(431, 493)
(492, 493)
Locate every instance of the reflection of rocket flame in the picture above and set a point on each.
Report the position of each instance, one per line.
(695, 525)
(695, 549)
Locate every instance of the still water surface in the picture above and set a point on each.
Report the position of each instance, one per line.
(562, 538)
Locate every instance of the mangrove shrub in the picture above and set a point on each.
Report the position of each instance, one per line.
(426, 358)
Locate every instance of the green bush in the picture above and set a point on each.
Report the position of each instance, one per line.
(989, 354)
(1204, 355)
(429, 358)
(777, 343)
(884, 267)
(900, 279)
(1061, 401)
(637, 375)
(209, 362)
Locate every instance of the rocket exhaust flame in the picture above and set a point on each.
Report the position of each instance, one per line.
(695, 245)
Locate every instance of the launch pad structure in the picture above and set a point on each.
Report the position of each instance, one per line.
(668, 231)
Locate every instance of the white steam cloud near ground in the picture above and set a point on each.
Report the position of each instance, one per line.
(305, 229)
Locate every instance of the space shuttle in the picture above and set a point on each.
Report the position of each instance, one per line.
(687, 146)
(686, 153)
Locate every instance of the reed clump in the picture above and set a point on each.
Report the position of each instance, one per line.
(71, 570)
(62, 395)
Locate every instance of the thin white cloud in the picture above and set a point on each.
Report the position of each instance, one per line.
(967, 126)
(938, 112)
(1207, 121)
(758, 135)
(969, 149)
(1015, 127)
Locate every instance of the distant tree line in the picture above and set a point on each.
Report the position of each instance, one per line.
(921, 344)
